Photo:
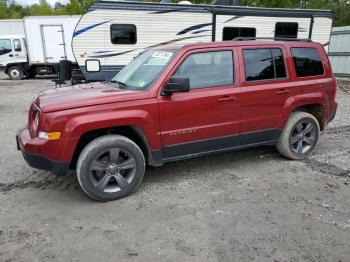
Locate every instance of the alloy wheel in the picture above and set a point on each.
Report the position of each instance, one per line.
(303, 137)
(112, 170)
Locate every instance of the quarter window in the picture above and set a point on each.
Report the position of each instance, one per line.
(264, 64)
(17, 45)
(123, 34)
(208, 69)
(307, 62)
(230, 33)
(286, 30)
(5, 46)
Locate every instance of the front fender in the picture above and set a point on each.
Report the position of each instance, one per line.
(79, 125)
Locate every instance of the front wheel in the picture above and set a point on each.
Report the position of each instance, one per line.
(110, 167)
(299, 137)
(15, 73)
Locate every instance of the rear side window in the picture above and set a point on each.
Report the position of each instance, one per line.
(307, 62)
(286, 30)
(230, 33)
(208, 69)
(264, 64)
(123, 34)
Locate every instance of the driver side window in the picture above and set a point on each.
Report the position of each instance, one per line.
(5, 46)
(208, 69)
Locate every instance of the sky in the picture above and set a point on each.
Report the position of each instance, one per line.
(30, 2)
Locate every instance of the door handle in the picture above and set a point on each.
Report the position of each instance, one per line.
(11, 55)
(227, 99)
(283, 92)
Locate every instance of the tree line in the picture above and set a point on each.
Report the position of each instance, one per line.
(9, 9)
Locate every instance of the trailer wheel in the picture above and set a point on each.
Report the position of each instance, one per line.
(15, 73)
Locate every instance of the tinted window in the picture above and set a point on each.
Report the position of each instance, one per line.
(286, 30)
(307, 62)
(230, 33)
(5, 46)
(17, 45)
(264, 64)
(208, 69)
(123, 34)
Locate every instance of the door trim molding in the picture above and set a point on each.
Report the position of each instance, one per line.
(220, 144)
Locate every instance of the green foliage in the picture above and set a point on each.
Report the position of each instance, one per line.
(340, 8)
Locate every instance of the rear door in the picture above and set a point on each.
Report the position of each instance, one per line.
(206, 118)
(53, 42)
(266, 88)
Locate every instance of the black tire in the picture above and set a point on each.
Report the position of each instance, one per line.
(110, 167)
(31, 74)
(15, 73)
(299, 137)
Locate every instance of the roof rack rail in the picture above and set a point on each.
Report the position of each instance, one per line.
(270, 38)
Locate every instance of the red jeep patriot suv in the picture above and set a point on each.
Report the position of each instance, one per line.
(178, 102)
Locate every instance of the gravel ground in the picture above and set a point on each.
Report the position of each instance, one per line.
(249, 205)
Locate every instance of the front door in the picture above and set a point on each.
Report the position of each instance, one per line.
(207, 118)
(6, 52)
(19, 50)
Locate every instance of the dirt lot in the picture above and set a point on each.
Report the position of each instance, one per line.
(250, 205)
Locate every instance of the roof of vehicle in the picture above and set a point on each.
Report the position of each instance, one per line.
(218, 9)
(235, 43)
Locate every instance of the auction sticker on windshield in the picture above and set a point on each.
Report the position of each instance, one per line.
(162, 54)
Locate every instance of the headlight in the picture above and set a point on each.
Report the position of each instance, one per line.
(50, 135)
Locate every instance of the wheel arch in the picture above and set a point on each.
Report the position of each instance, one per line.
(317, 110)
(21, 65)
(132, 132)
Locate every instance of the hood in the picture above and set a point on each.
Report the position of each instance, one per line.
(84, 95)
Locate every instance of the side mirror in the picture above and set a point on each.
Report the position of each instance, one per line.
(176, 85)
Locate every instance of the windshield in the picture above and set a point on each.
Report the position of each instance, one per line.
(140, 73)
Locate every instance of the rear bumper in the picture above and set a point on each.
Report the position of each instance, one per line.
(27, 146)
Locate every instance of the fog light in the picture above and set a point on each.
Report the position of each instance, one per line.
(49, 136)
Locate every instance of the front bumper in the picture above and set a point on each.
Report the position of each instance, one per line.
(30, 148)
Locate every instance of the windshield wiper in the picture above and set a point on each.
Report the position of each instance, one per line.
(119, 83)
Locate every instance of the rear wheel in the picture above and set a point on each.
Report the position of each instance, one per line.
(15, 73)
(300, 136)
(110, 167)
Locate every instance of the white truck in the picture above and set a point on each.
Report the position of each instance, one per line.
(46, 41)
(11, 27)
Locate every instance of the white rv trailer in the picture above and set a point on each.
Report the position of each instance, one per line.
(46, 41)
(113, 32)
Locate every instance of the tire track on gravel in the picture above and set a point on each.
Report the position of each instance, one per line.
(43, 184)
